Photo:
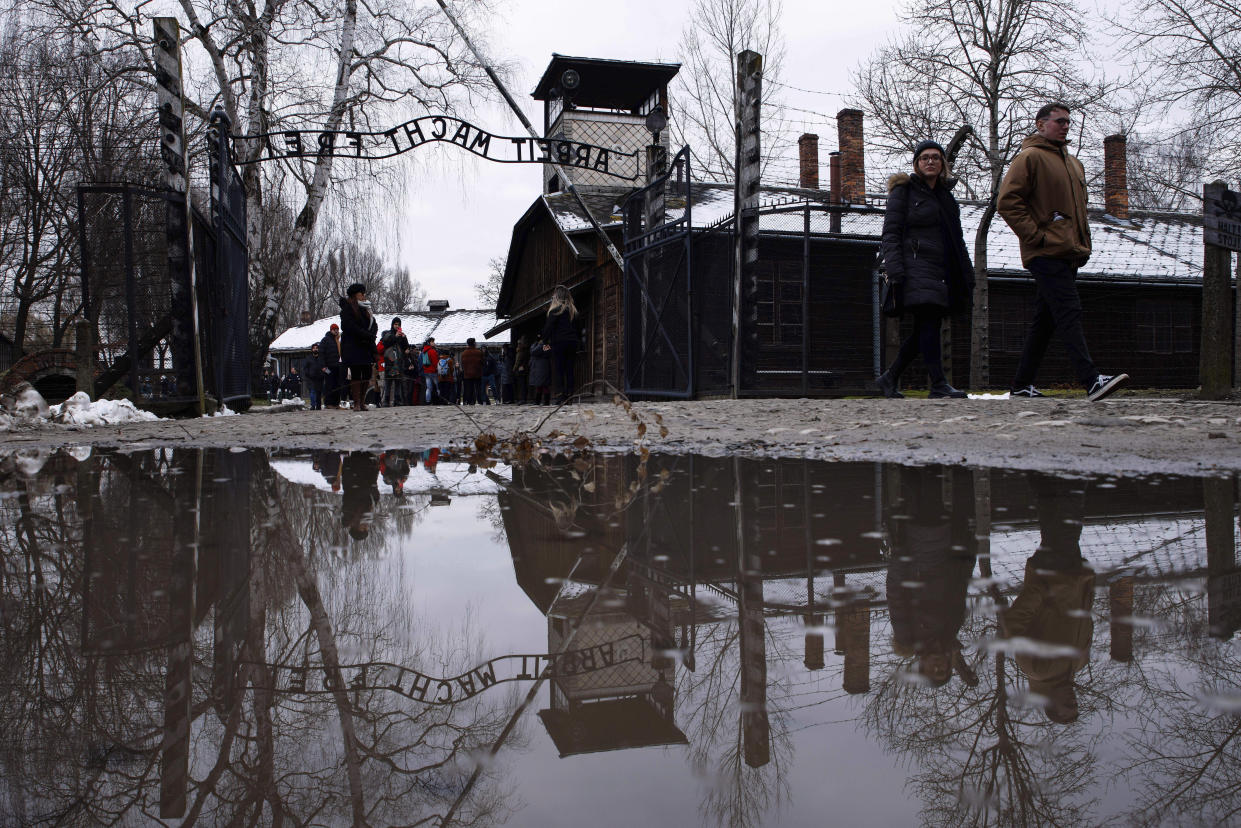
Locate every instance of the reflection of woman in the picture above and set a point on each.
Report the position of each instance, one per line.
(560, 338)
(359, 475)
(926, 260)
(1053, 607)
(929, 577)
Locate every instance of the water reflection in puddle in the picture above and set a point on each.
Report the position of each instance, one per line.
(409, 638)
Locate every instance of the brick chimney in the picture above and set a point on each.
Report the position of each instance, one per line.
(808, 161)
(833, 168)
(852, 156)
(1115, 177)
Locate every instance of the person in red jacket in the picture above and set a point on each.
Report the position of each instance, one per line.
(429, 358)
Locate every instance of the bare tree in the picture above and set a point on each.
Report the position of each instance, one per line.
(488, 291)
(1189, 53)
(986, 64)
(293, 64)
(707, 84)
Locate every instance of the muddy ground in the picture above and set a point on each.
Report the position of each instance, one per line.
(1129, 435)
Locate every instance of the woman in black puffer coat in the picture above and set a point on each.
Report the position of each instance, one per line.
(925, 256)
(358, 330)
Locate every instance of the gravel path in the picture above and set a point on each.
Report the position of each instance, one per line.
(1129, 435)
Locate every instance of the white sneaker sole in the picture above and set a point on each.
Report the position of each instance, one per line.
(1112, 384)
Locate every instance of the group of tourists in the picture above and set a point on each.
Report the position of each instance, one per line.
(354, 364)
(927, 264)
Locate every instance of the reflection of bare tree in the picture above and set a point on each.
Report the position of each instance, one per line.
(708, 700)
(80, 734)
(1185, 752)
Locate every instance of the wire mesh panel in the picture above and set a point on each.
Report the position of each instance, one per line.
(658, 284)
(226, 279)
(815, 330)
(128, 289)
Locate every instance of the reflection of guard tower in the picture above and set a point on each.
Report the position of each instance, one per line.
(628, 704)
(600, 102)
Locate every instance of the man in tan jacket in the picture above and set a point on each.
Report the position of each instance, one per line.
(1043, 199)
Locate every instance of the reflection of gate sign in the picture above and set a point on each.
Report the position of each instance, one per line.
(299, 143)
(423, 688)
(1221, 217)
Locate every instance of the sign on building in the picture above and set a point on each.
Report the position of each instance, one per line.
(1221, 216)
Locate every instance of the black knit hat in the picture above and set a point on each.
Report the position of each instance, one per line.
(356, 287)
(923, 146)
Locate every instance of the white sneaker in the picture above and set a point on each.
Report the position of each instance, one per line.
(1104, 385)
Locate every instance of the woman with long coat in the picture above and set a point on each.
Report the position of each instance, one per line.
(560, 339)
(927, 263)
(358, 330)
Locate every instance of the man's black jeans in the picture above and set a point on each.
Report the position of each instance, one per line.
(1057, 308)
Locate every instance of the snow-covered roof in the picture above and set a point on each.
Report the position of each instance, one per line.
(451, 328)
(1162, 247)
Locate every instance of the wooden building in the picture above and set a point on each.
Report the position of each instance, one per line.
(809, 325)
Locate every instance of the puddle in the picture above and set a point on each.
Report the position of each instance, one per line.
(409, 638)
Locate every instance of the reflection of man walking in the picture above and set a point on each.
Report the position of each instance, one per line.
(1053, 606)
(1043, 199)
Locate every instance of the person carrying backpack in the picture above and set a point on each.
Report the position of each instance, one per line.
(429, 359)
(395, 344)
(446, 371)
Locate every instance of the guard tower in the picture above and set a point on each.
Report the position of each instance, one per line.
(601, 102)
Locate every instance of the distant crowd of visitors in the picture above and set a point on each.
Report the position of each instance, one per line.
(353, 365)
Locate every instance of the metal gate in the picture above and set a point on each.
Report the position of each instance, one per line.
(228, 289)
(658, 286)
(136, 286)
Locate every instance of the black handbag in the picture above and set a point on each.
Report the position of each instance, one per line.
(890, 296)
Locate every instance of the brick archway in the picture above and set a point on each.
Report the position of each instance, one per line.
(52, 372)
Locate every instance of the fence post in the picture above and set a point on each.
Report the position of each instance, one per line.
(84, 342)
(1214, 366)
(180, 217)
(746, 198)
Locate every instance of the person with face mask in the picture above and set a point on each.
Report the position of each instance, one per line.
(358, 330)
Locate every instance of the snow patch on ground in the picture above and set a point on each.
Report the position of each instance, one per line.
(224, 411)
(80, 410)
(1003, 396)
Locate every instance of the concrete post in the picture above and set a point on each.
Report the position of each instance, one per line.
(1215, 361)
(746, 200)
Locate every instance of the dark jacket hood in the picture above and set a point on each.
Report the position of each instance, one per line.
(1036, 140)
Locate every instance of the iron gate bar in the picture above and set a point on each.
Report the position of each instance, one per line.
(130, 299)
(638, 249)
(659, 315)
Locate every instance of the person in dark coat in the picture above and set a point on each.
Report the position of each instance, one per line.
(560, 339)
(360, 480)
(312, 374)
(395, 345)
(358, 330)
(471, 361)
(540, 373)
(926, 260)
(329, 350)
(929, 575)
(491, 376)
(521, 371)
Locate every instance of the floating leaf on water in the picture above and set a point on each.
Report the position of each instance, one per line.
(663, 431)
(590, 487)
(641, 429)
(1228, 703)
(1031, 647)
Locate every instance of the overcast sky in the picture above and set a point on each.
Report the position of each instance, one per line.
(461, 215)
